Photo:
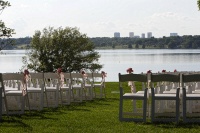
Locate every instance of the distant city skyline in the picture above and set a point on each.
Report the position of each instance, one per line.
(101, 18)
(143, 35)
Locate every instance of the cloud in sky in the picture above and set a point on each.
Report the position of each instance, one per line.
(101, 18)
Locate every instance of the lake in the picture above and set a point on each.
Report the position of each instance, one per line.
(117, 61)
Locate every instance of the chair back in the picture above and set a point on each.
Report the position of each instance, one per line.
(88, 79)
(140, 78)
(14, 80)
(77, 78)
(36, 80)
(67, 79)
(165, 81)
(97, 77)
(191, 77)
(165, 77)
(51, 79)
(191, 80)
(132, 77)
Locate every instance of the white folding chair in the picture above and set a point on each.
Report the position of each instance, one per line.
(35, 88)
(51, 89)
(132, 115)
(15, 98)
(160, 102)
(88, 86)
(99, 82)
(2, 98)
(191, 101)
(65, 90)
(78, 93)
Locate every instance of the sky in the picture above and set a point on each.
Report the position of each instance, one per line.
(101, 18)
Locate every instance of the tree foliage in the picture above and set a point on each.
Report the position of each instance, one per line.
(198, 3)
(5, 32)
(173, 42)
(63, 47)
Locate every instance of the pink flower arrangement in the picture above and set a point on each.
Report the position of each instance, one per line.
(26, 72)
(83, 72)
(26, 75)
(129, 70)
(104, 74)
(149, 71)
(59, 70)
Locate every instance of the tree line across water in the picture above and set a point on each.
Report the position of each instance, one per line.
(174, 42)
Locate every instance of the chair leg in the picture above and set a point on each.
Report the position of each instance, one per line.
(104, 91)
(6, 105)
(27, 98)
(121, 105)
(22, 105)
(144, 109)
(0, 105)
(61, 98)
(46, 99)
(184, 105)
(57, 98)
(41, 100)
(152, 109)
(121, 109)
(177, 110)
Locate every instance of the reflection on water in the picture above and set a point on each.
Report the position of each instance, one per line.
(115, 61)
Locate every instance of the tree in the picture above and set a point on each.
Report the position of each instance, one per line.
(198, 3)
(66, 48)
(137, 46)
(130, 46)
(5, 32)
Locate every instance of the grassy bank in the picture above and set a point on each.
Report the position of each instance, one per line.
(97, 116)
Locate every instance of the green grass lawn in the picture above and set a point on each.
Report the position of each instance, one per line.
(97, 116)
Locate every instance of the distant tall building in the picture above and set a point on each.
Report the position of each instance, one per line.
(131, 34)
(173, 34)
(149, 34)
(143, 35)
(116, 34)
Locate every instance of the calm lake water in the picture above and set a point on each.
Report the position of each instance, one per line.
(115, 61)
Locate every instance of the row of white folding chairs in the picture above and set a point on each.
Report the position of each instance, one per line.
(189, 102)
(45, 90)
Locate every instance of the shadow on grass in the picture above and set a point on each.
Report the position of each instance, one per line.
(168, 125)
(50, 113)
(10, 122)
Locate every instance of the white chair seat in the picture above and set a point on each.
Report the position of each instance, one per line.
(32, 89)
(194, 95)
(133, 95)
(11, 89)
(88, 85)
(14, 93)
(76, 86)
(98, 85)
(196, 91)
(168, 95)
(65, 88)
(51, 88)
